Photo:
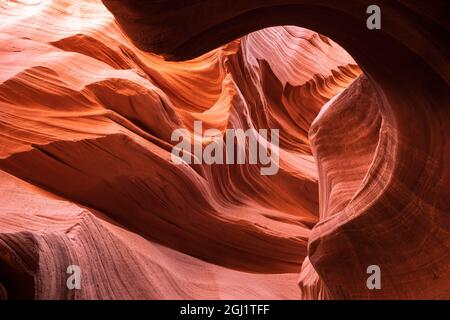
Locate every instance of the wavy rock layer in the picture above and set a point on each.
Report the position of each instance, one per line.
(87, 109)
(85, 125)
(382, 203)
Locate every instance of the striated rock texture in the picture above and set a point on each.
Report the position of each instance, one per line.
(396, 214)
(88, 105)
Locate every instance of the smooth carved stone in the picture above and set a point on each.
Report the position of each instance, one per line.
(88, 106)
(398, 216)
(86, 118)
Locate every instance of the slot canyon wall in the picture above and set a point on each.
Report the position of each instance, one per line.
(91, 91)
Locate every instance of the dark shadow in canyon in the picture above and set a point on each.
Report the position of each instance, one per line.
(399, 218)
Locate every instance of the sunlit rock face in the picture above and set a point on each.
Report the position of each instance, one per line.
(88, 104)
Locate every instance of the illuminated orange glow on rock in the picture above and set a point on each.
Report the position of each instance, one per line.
(91, 92)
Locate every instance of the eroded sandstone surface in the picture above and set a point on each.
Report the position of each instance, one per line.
(90, 95)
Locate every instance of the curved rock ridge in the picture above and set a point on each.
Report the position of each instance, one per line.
(42, 234)
(383, 169)
(86, 120)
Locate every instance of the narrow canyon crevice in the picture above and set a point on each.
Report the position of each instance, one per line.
(89, 100)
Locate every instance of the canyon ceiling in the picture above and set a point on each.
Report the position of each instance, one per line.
(91, 91)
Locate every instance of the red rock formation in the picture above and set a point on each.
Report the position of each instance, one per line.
(85, 125)
(398, 216)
